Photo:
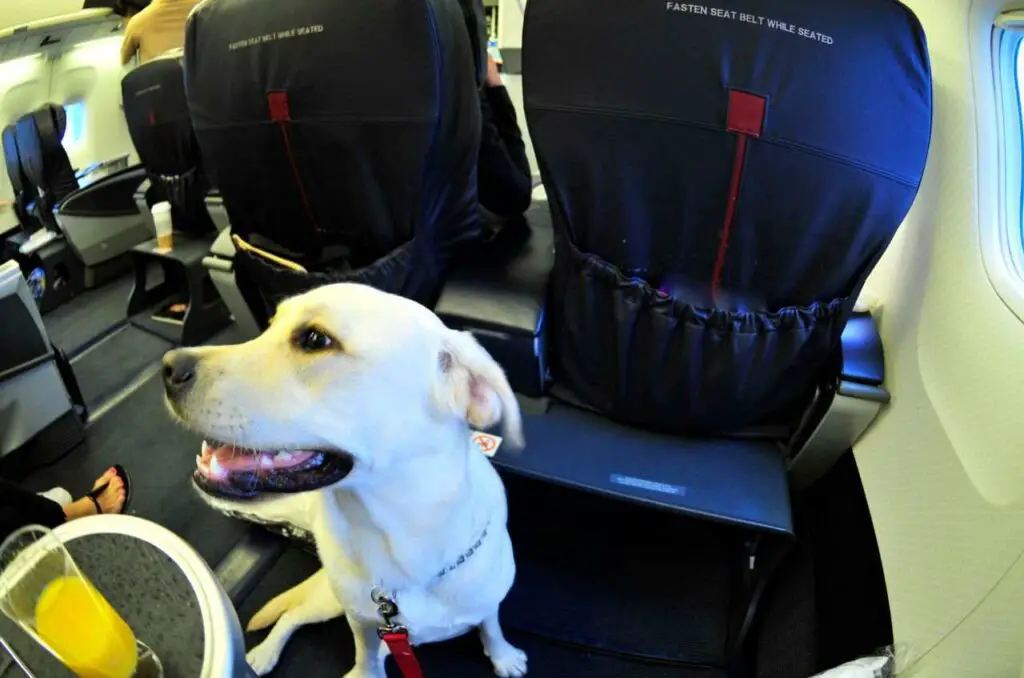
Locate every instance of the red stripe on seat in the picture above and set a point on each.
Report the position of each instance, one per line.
(280, 112)
(746, 119)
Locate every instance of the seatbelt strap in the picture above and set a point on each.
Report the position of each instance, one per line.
(396, 637)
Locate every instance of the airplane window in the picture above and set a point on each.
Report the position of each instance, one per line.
(1001, 173)
(75, 130)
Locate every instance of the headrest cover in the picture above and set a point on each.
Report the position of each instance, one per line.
(350, 122)
(158, 119)
(476, 23)
(43, 157)
(30, 149)
(842, 92)
(722, 180)
(60, 120)
(11, 160)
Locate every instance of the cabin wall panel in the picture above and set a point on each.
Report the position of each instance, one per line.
(943, 468)
(92, 73)
(17, 12)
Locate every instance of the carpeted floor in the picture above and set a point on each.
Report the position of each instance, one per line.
(603, 589)
(74, 326)
(137, 433)
(160, 456)
(106, 367)
(326, 649)
(604, 573)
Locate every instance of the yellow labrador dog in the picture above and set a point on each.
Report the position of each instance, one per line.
(350, 417)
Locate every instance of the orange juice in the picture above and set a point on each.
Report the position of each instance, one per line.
(75, 621)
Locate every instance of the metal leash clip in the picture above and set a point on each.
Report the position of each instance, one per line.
(388, 610)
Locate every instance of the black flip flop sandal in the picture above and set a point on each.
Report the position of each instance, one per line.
(127, 479)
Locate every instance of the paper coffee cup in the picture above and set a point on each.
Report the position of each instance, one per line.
(163, 224)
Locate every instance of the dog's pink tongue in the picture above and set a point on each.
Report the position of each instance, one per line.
(231, 458)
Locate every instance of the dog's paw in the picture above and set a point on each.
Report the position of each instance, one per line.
(508, 661)
(263, 658)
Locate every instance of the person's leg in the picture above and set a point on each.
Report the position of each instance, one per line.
(59, 495)
(17, 503)
(19, 507)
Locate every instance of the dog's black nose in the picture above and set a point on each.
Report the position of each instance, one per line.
(179, 372)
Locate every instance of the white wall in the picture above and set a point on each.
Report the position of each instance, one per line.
(90, 72)
(510, 23)
(944, 466)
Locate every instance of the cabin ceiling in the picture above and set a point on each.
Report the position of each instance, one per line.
(58, 34)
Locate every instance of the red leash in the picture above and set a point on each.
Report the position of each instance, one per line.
(396, 637)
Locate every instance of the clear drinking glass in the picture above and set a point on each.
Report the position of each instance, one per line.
(44, 592)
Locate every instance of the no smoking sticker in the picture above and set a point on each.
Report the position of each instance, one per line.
(487, 443)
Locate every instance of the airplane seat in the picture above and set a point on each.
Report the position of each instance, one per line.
(54, 272)
(499, 293)
(40, 403)
(19, 182)
(475, 17)
(161, 130)
(58, 180)
(13, 236)
(720, 185)
(99, 222)
(361, 173)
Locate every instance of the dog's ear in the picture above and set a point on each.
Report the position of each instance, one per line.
(472, 385)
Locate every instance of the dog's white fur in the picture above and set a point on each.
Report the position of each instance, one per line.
(398, 391)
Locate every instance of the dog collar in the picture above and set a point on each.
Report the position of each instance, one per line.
(466, 555)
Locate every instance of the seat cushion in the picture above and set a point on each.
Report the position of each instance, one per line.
(501, 301)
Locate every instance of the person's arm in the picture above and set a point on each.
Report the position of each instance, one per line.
(130, 42)
(505, 183)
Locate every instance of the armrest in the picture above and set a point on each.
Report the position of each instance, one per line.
(844, 406)
(736, 482)
(23, 344)
(502, 303)
(113, 195)
(863, 358)
(218, 212)
(224, 248)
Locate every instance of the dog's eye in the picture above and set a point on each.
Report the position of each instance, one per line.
(311, 340)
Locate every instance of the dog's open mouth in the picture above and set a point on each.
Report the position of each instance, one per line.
(231, 472)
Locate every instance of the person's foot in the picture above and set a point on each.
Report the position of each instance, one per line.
(111, 500)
